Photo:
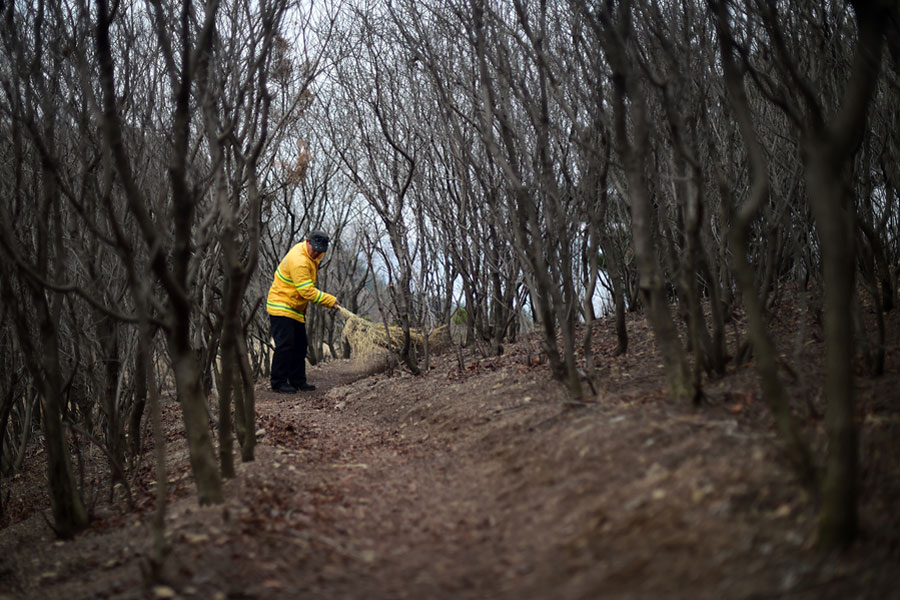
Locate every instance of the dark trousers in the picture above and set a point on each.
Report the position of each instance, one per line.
(289, 360)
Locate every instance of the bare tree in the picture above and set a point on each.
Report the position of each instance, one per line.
(384, 158)
(616, 32)
(33, 241)
(173, 260)
(764, 348)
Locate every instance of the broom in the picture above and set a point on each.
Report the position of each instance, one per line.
(368, 339)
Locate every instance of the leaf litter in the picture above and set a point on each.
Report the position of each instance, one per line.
(485, 483)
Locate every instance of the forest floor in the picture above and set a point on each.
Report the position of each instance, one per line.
(483, 482)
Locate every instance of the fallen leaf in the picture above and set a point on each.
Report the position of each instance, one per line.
(368, 556)
(163, 591)
(782, 511)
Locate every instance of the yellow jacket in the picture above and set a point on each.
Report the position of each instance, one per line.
(294, 285)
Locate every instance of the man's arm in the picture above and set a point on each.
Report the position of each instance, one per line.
(307, 289)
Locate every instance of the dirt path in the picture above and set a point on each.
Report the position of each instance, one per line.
(399, 510)
(484, 484)
(490, 486)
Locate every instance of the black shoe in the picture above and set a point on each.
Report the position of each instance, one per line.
(285, 388)
(306, 387)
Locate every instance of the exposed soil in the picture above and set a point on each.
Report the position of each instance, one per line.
(484, 482)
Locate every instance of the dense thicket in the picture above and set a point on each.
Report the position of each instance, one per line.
(504, 164)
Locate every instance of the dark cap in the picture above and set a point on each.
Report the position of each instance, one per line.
(318, 240)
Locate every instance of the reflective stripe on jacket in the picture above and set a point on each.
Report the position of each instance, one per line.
(294, 285)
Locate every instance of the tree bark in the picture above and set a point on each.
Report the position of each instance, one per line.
(838, 519)
(798, 450)
(682, 388)
(828, 150)
(196, 419)
(69, 514)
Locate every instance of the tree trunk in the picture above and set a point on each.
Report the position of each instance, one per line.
(245, 397)
(240, 413)
(69, 514)
(226, 439)
(107, 332)
(142, 362)
(798, 450)
(835, 225)
(616, 274)
(828, 151)
(682, 387)
(196, 417)
(231, 324)
(9, 399)
(159, 550)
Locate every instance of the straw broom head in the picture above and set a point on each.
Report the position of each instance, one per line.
(369, 339)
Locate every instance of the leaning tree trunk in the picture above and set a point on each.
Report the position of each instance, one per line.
(245, 398)
(682, 387)
(42, 361)
(226, 381)
(139, 403)
(107, 332)
(172, 268)
(235, 284)
(402, 298)
(828, 151)
(798, 450)
(195, 415)
(69, 514)
(615, 271)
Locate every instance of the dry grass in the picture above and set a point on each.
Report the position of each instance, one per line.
(370, 340)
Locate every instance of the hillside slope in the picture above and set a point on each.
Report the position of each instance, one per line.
(484, 482)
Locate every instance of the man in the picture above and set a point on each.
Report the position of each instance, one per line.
(293, 288)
